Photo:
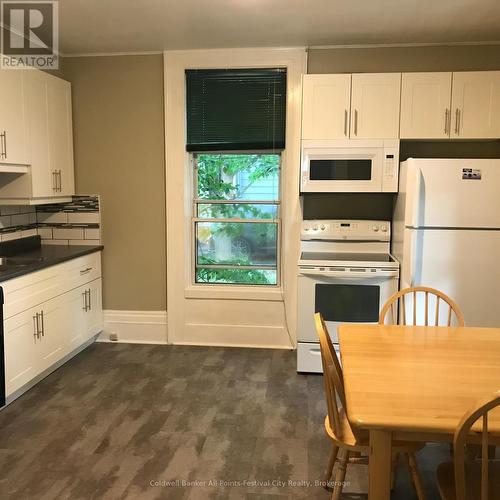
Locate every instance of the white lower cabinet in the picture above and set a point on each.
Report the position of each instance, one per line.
(93, 316)
(37, 338)
(21, 346)
(52, 345)
(83, 318)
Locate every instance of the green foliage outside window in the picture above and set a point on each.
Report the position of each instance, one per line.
(237, 177)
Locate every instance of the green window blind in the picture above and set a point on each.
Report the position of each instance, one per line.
(236, 109)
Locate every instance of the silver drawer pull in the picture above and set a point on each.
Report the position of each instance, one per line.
(36, 334)
(85, 271)
(42, 330)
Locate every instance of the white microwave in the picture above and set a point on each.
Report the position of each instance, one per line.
(350, 166)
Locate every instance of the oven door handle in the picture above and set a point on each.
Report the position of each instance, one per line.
(350, 275)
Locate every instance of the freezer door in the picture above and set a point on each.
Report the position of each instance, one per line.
(463, 264)
(453, 193)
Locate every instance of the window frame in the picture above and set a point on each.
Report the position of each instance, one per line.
(195, 201)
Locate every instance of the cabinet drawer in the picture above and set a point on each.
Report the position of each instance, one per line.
(28, 291)
(82, 270)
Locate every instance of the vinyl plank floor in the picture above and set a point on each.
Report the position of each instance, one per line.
(152, 422)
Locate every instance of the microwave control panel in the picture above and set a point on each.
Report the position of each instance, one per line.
(390, 169)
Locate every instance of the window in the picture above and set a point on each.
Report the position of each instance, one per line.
(235, 131)
(236, 218)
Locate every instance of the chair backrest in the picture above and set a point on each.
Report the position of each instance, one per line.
(460, 439)
(332, 377)
(420, 301)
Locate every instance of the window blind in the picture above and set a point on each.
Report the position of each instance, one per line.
(236, 109)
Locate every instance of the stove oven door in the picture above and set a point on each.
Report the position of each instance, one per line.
(349, 299)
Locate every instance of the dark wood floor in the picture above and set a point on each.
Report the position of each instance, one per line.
(117, 420)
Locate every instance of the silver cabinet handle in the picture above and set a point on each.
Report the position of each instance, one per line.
(84, 294)
(355, 122)
(36, 335)
(446, 114)
(90, 300)
(85, 271)
(345, 122)
(42, 329)
(457, 121)
(56, 181)
(3, 137)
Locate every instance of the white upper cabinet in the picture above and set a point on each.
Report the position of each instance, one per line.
(47, 122)
(61, 135)
(35, 96)
(425, 105)
(476, 105)
(326, 106)
(13, 148)
(375, 104)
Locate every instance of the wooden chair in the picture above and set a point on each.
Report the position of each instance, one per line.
(465, 479)
(431, 300)
(349, 443)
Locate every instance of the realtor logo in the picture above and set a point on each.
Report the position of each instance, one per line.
(30, 35)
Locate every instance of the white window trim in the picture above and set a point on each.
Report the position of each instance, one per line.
(179, 181)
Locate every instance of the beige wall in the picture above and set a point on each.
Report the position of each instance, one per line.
(119, 154)
(119, 149)
(381, 59)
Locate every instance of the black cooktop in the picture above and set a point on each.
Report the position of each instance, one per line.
(347, 257)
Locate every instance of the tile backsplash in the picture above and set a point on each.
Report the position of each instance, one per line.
(75, 223)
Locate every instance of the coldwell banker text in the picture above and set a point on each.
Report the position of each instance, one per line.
(30, 35)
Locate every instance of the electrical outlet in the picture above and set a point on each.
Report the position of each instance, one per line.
(113, 337)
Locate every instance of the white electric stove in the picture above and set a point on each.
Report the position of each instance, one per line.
(346, 273)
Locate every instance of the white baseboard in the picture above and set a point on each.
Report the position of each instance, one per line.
(150, 327)
(135, 327)
(227, 335)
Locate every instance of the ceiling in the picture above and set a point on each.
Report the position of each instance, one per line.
(102, 26)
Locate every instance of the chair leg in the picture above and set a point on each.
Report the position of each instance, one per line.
(327, 475)
(340, 475)
(415, 476)
(394, 468)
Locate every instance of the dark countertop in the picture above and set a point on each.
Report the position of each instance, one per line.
(37, 256)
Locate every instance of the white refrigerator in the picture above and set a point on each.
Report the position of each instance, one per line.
(446, 232)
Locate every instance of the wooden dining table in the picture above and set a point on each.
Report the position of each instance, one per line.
(415, 383)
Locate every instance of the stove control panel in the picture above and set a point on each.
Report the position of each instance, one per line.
(350, 230)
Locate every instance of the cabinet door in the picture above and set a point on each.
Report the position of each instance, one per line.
(326, 105)
(61, 134)
(475, 105)
(12, 118)
(74, 319)
(375, 105)
(35, 98)
(425, 105)
(21, 350)
(53, 345)
(94, 319)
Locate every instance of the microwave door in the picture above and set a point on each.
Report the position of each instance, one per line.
(342, 172)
